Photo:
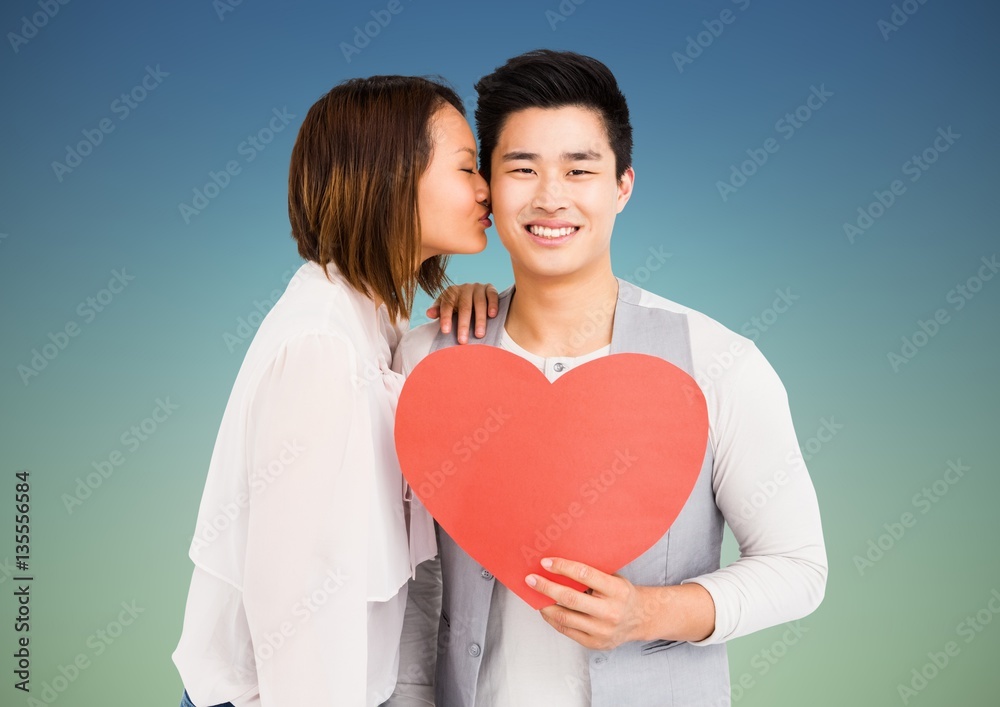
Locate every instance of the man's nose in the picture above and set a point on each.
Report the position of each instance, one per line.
(550, 196)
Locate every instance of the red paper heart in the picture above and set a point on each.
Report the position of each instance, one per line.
(594, 467)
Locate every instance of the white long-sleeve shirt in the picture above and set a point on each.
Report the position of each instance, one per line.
(760, 483)
(301, 548)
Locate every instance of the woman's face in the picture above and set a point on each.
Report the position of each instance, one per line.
(452, 197)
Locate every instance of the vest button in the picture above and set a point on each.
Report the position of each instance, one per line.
(474, 650)
(486, 574)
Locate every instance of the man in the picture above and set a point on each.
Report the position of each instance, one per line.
(556, 146)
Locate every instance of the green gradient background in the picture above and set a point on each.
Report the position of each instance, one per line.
(162, 337)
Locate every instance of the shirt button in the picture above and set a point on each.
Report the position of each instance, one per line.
(474, 650)
(559, 367)
(486, 574)
(600, 659)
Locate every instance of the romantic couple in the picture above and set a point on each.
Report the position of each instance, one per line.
(320, 579)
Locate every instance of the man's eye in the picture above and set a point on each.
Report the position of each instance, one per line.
(523, 170)
(576, 172)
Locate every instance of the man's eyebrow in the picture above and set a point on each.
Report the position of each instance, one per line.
(579, 156)
(566, 156)
(512, 156)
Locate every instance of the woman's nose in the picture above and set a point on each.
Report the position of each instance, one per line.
(482, 190)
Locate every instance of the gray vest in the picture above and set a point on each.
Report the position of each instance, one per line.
(659, 673)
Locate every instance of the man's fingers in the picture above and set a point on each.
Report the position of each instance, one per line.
(563, 595)
(584, 574)
(571, 624)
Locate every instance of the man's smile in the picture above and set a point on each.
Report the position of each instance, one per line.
(550, 232)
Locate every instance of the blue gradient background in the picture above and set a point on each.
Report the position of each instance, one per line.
(163, 335)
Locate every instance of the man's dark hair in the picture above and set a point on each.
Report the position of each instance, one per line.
(549, 79)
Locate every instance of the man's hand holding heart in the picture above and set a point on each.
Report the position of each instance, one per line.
(614, 611)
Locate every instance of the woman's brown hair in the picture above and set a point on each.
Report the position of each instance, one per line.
(352, 184)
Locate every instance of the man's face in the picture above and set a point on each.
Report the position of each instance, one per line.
(554, 191)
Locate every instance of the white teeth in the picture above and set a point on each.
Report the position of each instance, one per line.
(551, 232)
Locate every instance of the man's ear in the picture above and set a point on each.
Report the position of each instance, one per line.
(625, 185)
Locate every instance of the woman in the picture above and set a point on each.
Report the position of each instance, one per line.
(304, 543)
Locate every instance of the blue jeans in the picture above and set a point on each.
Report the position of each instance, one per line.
(186, 702)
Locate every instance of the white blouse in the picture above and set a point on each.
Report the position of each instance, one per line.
(301, 548)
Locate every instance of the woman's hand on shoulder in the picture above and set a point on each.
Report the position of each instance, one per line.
(482, 300)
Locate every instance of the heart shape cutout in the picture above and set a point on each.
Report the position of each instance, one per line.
(594, 467)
